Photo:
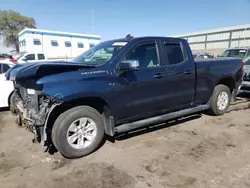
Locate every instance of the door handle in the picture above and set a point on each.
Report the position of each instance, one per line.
(187, 72)
(159, 75)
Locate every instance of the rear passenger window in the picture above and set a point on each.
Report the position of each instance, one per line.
(40, 56)
(173, 52)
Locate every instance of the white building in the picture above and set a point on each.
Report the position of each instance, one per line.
(55, 44)
(219, 39)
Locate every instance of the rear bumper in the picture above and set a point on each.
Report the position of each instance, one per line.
(245, 87)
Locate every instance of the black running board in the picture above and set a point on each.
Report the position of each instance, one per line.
(159, 119)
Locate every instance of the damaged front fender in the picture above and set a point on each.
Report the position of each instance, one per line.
(33, 112)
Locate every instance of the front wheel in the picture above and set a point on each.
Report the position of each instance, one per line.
(11, 103)
(78, 131)
(220, 100)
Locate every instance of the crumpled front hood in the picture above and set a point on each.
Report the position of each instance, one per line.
(40, 69)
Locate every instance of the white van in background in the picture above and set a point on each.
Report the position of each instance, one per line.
(29, 57)
(6, 86)
(26, 57)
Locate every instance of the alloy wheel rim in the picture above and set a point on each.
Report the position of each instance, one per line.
(81, 133)
(222, 100)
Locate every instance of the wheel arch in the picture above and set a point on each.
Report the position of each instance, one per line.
(97, 103)
(9, 97)
(228, 81)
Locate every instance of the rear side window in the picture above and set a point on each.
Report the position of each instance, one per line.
(173, 52)
(40, 56)
(239, 53)
(4, 68)
(30, 57)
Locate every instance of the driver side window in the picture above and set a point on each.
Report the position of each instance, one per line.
(146, 55)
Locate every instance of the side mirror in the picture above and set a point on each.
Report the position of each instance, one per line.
(24, 59)
(129, 65)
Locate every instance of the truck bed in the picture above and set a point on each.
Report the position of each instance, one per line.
(209, 71)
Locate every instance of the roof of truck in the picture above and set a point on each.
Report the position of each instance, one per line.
(145, 38)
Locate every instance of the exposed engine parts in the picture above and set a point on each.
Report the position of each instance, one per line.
(32, 111)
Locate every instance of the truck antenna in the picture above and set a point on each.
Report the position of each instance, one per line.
(129, 37)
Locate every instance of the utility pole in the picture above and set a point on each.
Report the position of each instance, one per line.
(93, 21)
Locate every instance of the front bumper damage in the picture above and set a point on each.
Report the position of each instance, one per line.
(33, 111)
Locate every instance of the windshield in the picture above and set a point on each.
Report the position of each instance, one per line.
(234, 53)
(247, 60)
(20, 56)
(100, 54)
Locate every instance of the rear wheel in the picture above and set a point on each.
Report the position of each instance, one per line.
(78, 131)
(220, 100)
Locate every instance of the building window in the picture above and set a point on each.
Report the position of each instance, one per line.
(54, 43)
(36, 41)
(80, 45)
(91, 45)
(22, 43)
(67, 44)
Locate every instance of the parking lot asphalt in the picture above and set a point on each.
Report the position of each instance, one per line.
(196, 151)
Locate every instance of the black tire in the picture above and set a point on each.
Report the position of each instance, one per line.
(217, 91)
(12, 103)
(63, 122)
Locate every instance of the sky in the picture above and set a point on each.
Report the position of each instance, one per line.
(117, 18)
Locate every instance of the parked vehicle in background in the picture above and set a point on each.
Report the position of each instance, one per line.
(26, 57)
(118, 86)
(245, 86)
(202, 55)
(7, 58)
(236, 52)
(6, 86)
(29, 57)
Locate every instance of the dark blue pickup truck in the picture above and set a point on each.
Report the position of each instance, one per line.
(118, 86)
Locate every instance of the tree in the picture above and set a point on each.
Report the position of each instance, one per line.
(11, 23)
